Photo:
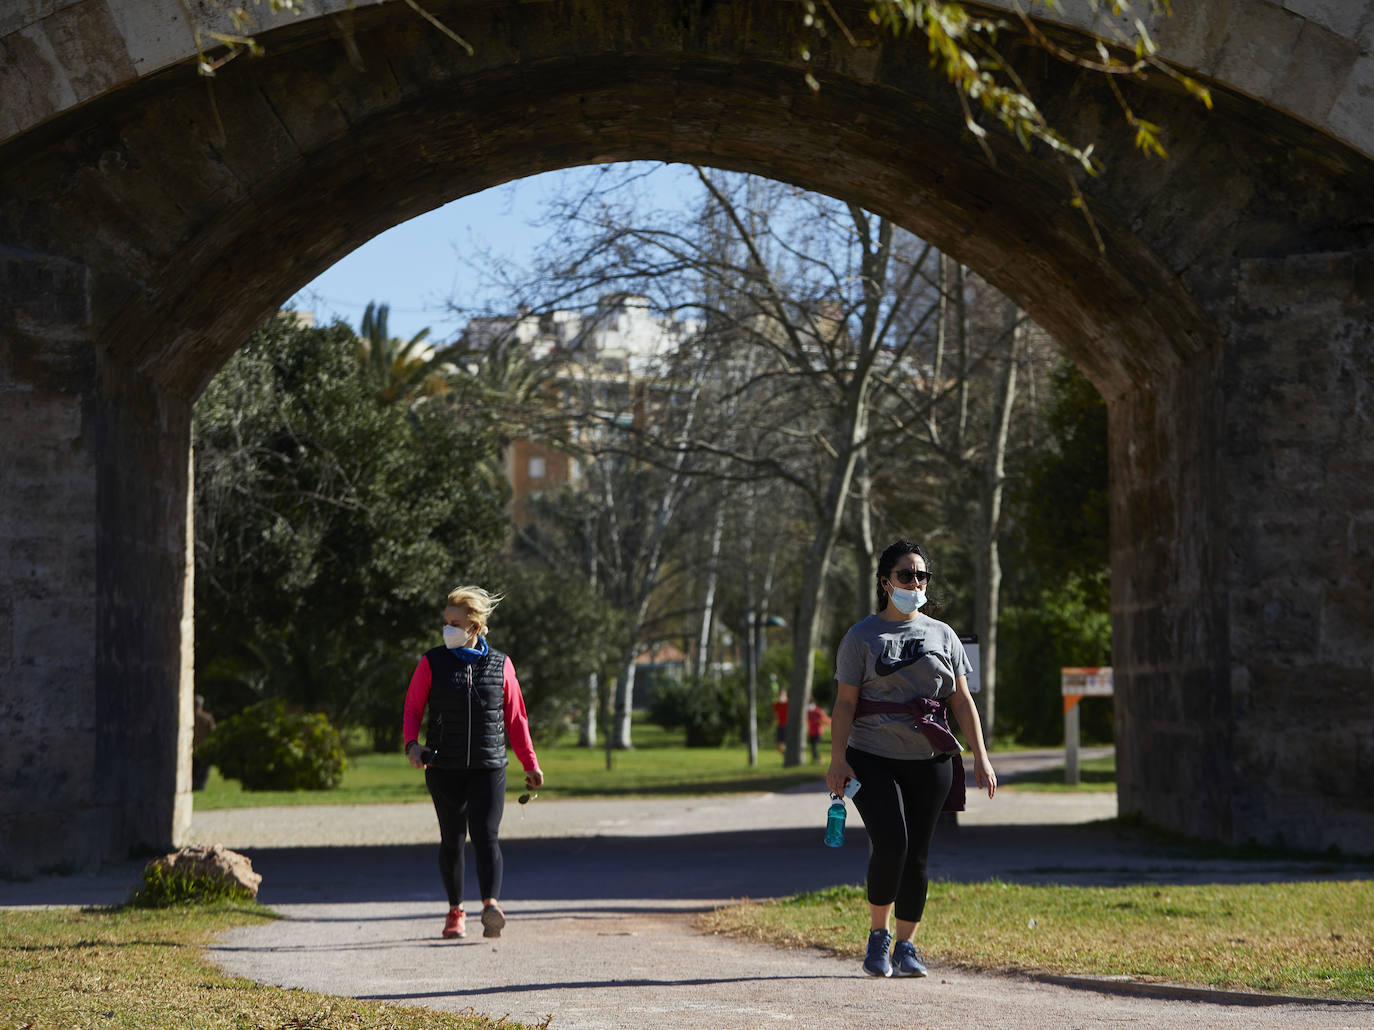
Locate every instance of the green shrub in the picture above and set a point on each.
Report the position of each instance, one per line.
(269, 748)
(711, 711)
(1065, 629)
(166, 888)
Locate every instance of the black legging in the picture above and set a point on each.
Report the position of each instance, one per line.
(469, 802)
(900, 801)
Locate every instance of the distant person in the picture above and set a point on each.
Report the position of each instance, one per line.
(780, 717)
(475, 707)
(816, 722)
(900, 674)
(202, 725)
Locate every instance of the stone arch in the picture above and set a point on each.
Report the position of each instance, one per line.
(1227, 322)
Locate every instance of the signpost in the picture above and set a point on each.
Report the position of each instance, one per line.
(975, 681)
(1075, 684)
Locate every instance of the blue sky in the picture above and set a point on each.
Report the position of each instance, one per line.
(417, 267)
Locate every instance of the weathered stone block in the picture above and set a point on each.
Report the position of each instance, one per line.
(31, 80)
(1352, 114)
(90, 46)
(43, 295)
(1340, 16)
(213, 862)
(1317, 72)
(1253, 58)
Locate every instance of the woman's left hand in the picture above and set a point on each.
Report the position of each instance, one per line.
(987, 779)
(534, 778)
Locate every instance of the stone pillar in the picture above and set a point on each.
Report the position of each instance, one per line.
(92, 584)
(1169, 668)
(1299, 448)
(1243, 570)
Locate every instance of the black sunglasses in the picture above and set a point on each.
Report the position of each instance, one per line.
(907, 576)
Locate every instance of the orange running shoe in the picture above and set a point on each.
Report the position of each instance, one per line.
(454, 924)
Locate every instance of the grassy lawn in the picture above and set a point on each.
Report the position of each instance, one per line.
(1312, 939)
(1095, 775)
(659, 764)
(145, 969)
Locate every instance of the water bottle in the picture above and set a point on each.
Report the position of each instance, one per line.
(834, 822)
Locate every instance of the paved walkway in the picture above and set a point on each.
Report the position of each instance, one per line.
(601, 896)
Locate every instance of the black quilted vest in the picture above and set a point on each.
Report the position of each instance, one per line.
(467, 728)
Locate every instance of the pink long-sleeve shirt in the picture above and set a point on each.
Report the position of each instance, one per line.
(517, 721)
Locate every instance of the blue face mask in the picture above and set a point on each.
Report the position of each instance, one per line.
(907, 601)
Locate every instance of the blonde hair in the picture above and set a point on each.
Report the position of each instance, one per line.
(477, 601)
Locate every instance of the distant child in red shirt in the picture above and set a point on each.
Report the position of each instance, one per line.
(780, 714)
(816, 721)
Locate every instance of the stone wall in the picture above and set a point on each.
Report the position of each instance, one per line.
(93, 514)
(48, 593)
(1299, 450)
(1226, 320)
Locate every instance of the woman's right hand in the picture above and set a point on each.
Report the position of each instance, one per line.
(838, 775)
(413, 753)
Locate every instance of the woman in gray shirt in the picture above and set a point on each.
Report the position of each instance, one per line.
(900, 674)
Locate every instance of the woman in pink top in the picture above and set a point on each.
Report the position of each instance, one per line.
(475, 707)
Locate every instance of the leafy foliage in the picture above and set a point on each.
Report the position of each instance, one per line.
(1059, 612)
(558, 632)
(329, 525)
(1065, 499)
(712, 711)
(268, 747)
(401, 370)
(1064, 629)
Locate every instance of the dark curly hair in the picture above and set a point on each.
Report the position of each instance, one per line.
(888, 560)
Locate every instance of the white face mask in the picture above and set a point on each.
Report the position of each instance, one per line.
(907, 601)
(455, 638)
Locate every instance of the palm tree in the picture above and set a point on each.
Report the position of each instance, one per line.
(403, 370)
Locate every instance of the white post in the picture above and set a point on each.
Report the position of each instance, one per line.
(1071, 742)
(1076, 684)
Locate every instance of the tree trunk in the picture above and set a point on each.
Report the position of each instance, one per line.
(989, 578)
(587, 738)
(708, 601)
(587, 735)
(806, 632)
(624, 704)
(865, 553)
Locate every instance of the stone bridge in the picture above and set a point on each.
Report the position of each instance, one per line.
(149, 218)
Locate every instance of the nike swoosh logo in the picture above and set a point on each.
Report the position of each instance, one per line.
(883, 668)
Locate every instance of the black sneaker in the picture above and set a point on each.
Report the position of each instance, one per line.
(905, 960)
(876, 962)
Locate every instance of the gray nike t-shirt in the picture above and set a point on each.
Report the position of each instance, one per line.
(898, 661)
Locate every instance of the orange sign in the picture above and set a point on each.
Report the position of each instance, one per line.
(1076, 683)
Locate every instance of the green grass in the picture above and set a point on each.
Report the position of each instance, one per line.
(659, 764)
(1311, 939)
(1095, 775)
(145, 969)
